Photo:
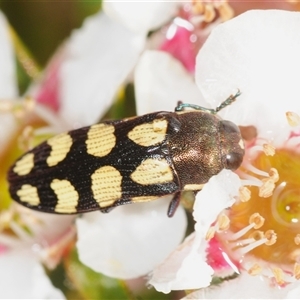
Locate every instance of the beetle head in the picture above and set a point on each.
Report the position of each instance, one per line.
(232, 145)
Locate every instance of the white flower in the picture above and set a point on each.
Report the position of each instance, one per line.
(88, 71)
(260, 58)
(131, 240)
(186, 268)
(8, 86)
(22, 276)
(257, 52)
(21, 272)
(134, 250)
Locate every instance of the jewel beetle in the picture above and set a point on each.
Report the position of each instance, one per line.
(127, 161)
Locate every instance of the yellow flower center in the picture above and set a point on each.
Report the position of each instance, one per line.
(278, 215)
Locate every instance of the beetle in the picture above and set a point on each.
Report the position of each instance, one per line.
(127, 161)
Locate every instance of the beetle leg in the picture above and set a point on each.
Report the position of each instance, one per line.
(174, 204)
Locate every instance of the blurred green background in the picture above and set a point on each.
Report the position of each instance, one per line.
(43, 25)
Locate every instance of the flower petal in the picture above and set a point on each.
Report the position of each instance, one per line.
(216, 195)
(140, 16)
(257, 52)
(245, 286)
(184, 269)
(160, 81)
(23, 277)
(131, 240)
(8, 86)
(99, 58)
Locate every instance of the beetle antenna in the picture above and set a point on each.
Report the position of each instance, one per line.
(228, 101)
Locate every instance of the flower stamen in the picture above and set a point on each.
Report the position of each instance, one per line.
(25, 140)
(278, 274)
(255, 270)
(297, 239)
(292, 118)
(269, 149)
(269, 238)
(296, 271)
(245, 194)
(268, 186)
(255, 221)
(221, 224)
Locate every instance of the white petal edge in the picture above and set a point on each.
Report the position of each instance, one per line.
(220, 192)
(184, 269)
(99, 58)
(244, 287)
(131, 240)
(141, 16)
(257, 52)
(23, 277)
(160, 81)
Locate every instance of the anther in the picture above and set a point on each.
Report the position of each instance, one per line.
(296, 271)
(278, 274)
(267, 188)
(271, 237)
(210, 233)
(274, 174)
(223, 222)
(25, 140)
(269, 149)
(245, 194)
(255, 221)
(292, 118)
(297, 239)
(255, 270)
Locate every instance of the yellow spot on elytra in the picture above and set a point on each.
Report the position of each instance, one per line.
(66, 194)
(29, 194)
(24, 165)
(100, 140)
(149, 134)
(255, 270)
(293, 118)
(143, 198)
(152, 171)
(106, 185)
(60, 147)
(193, 187)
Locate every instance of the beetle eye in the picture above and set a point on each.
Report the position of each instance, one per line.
(233, 160)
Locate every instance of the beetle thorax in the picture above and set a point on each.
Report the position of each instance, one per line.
(195, 148)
